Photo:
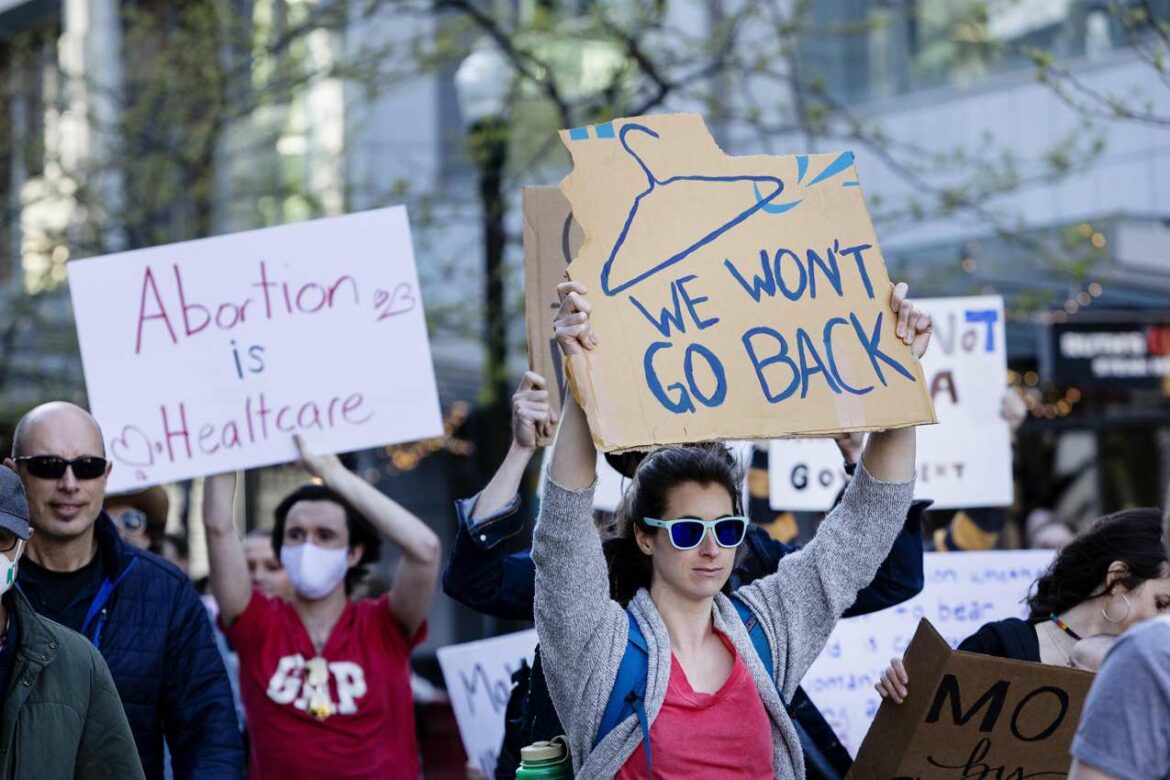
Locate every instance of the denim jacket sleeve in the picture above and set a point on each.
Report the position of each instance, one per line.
(479, 575)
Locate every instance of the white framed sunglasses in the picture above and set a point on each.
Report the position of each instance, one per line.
(686, 533)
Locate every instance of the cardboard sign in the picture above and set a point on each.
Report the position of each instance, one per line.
(551, 240)
(733, 297)
(970, 715)
(963, 591)
(207, 356)
(965, 460)
(479, 681)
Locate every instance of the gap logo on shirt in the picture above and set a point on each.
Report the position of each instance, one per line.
(305, 685)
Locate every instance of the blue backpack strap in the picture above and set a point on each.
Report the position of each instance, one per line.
(629, 690)
(813, 756)
(759, 640)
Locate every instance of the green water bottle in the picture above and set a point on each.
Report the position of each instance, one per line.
(546, 761)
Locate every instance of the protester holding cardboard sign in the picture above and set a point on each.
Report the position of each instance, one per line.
(721, 685)
(1114, 576)
(483, 575)
(325, 681)
(972, 716)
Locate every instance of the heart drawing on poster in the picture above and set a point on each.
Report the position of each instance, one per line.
(133, 448)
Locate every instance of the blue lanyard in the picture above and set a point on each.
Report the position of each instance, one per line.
(99, 601)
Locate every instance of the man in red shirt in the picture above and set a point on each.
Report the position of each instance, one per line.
(325, 681)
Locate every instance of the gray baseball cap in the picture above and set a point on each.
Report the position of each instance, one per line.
(13, 504)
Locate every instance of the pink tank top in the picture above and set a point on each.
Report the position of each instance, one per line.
(718, 735)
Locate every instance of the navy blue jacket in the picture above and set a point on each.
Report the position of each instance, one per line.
(481, 577)
(152, 629)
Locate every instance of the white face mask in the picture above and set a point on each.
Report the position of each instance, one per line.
(314, 571)
(8, 567)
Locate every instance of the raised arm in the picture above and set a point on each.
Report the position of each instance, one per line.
(230, 583)
(889, 456)
(417, 575)
(901, 576)
(478, 574)
(574, 458)
(578, 624)
(532, 419)
(803, 600)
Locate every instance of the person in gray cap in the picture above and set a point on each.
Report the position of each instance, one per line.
(61, 715)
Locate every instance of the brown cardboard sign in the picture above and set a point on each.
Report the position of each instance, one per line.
(974, 716)
(551, 240)
(733, 297)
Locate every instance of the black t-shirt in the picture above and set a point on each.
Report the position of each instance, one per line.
(1012, 638)
(62, 596)
(8, 652)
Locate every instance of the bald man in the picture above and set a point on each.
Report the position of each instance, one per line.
(140, 611)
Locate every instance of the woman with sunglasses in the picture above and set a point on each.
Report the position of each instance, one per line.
(710, 707)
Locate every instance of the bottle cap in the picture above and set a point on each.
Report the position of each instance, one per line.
(543, 751)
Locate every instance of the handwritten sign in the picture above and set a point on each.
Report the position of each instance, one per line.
(207, 356)
(963, 591)
(479, 681)
(733, 297)
(966, 372)
(804, 475)
(970, 715)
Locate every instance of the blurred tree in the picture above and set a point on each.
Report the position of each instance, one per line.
(135, 150)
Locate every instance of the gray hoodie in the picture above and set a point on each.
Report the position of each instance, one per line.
(583, 633)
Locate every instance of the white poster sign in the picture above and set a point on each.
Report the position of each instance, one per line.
(963, 591)
(207, 356)
(804, 475)
(965, 460)
(479, 681)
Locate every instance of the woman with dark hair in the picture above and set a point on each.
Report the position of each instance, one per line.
(325, 679)
(1112, 577)
(1125, 724)
(707, 705)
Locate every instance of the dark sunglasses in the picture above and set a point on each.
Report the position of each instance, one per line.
(53, 467)
(687, 533)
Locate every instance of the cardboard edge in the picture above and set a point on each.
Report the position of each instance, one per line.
(894, 725)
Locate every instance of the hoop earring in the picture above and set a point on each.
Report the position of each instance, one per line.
(1105, 610)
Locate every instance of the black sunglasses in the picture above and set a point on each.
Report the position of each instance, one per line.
(53, 467)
